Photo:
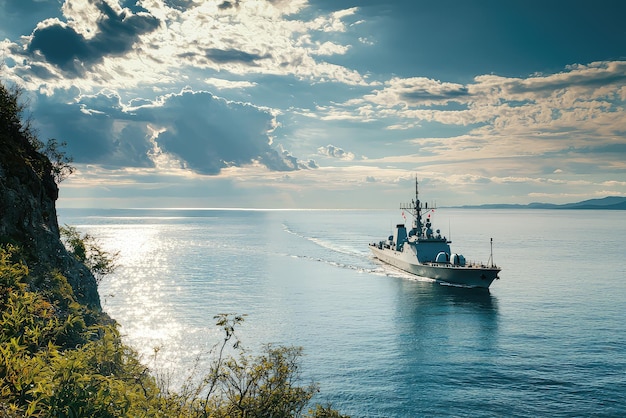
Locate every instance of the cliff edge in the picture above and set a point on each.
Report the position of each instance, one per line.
(28, 217)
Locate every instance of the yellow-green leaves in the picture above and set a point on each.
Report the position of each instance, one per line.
(88, 251)
(53, 365)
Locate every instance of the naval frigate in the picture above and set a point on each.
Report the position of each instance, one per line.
(425, 253)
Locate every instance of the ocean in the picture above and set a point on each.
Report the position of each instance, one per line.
(547, 339)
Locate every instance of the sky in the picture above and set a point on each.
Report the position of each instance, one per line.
(324, 103)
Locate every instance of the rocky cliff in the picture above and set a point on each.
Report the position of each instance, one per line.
(28, 215)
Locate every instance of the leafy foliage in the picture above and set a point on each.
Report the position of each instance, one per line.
(88, 251)
(53, 364)
(264, 386)
(61, 162)
(11, 112)
(16, 124)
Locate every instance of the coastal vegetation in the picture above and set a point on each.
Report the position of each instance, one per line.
(62, 356)
(86, 249)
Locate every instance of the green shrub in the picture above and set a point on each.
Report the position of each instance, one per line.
(86, 249)
(53, 365)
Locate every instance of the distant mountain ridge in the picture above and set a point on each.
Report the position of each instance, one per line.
(605, 203)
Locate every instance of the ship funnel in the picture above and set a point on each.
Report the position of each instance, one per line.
(399, 236)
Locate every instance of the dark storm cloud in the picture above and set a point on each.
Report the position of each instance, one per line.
(441, 95)
(209, 134)
(232, 55)
(117, 33)
(604, 75)
(36, 70)
(179, 4)
(97, 132)
(62, 46)
(228, 4)
(204, 132)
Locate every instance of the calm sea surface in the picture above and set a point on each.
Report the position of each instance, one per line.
(548, 339)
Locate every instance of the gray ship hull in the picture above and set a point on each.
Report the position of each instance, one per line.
(472, 275)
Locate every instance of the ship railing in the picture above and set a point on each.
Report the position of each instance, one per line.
(468, 264)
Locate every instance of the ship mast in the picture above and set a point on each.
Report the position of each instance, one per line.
(491, 255)
(415, 209)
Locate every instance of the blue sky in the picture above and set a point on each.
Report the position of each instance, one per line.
(324, 104)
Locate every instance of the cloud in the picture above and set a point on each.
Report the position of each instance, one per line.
(96, 128)
(232, 55)
(228, 4)
(158, 43)
(203, 132)
(179, 4)
(335, 152)
(220, 83)
(286, 161)
(597, 86)
(210, 134)
(418, 91)
(312, 164)
(587, 78)
(577, 112)
(123, 82)
(60, 43)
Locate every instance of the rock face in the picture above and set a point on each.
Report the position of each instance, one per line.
(28, 215)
